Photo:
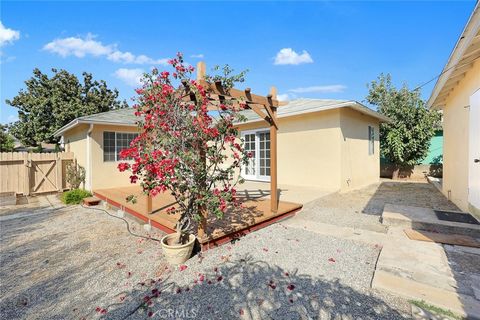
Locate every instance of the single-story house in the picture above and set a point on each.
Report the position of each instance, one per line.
(457, 94)
(330, 144)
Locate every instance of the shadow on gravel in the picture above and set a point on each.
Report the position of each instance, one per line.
(247, 289)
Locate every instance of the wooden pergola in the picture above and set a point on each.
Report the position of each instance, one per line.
(264, 106)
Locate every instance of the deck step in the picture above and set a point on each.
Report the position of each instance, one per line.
(91, 201)
(419, 218)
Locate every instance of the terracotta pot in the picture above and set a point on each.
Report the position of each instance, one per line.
(177, 254)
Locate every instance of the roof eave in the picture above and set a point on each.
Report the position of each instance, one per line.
(76, 122)
(469, 32)
(355, 105)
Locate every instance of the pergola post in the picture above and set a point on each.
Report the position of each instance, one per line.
(273, 156)
(149, 204)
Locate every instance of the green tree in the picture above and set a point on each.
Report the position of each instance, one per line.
(48, 103)
(404, 141)
(6, 141)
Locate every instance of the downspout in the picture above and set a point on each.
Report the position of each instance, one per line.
(88, 163)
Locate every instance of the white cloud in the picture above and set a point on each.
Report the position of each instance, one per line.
(283, 97)
(334, 88)
(131, 77)
(8, 35)
(197, 56)
(88, 46)
(288, 56)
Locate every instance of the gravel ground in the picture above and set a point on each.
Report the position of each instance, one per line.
(362, 208)
(76, 263)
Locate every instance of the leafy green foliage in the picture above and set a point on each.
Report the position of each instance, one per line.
(6, 141)
(75, 196)
(404, 141)
(226, 76)
(48, 103)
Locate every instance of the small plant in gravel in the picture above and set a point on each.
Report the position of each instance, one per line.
(436, 310)
(75, 175)
(182, 149)
(75, 196)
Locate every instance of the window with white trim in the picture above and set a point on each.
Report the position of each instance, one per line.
(114, 142)
(371, 140)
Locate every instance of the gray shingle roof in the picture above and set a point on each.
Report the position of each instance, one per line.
(121, 116)
(302, 106)
(295, 107)
(124, 117)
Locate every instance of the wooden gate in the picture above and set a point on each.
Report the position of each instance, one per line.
(33, 173)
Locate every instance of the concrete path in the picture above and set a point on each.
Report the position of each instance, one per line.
(424, 271)
(411, 269)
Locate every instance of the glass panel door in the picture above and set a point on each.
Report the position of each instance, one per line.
(249, 170)
(264, 156)
(258, 167)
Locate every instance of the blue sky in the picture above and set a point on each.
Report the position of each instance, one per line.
(306, 49)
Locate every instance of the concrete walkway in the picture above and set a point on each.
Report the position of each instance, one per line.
(411, 269)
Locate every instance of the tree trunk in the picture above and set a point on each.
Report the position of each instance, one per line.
(396, 172)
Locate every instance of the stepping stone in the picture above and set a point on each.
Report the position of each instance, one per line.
(91, 201)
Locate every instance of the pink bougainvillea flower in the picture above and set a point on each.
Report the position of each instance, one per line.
(201, 277)
(291, 287)
(150, 314)
(98, 309)
(179, 290)
(209, 282)
(220, 278)
(331, 260)
(182, 267)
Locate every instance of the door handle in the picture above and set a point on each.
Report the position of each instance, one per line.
(476, 160)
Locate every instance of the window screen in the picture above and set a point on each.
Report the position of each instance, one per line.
(109, 146)
(371, 140)
(114, 142)
(123, 142)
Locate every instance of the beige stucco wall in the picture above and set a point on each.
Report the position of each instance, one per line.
(358, 168)
(308, 149)
(106, 174)
(75, 141)
(101, 174)
(455, 138)
(326, 148)
(320, 150)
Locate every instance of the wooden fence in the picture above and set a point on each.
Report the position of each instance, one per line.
(33, 173)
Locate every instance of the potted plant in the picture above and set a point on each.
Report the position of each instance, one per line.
(186, 150)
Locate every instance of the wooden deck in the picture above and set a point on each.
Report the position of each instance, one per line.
(254, 215)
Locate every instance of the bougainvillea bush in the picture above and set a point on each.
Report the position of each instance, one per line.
(185, 149)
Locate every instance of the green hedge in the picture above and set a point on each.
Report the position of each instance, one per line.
(75, 196)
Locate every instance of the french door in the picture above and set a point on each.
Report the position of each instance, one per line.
(474, 152)
(258, 144)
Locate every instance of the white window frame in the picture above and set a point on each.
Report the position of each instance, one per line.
(103, 144)
(257, 176)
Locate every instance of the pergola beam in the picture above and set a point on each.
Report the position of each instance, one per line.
(242, 96)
